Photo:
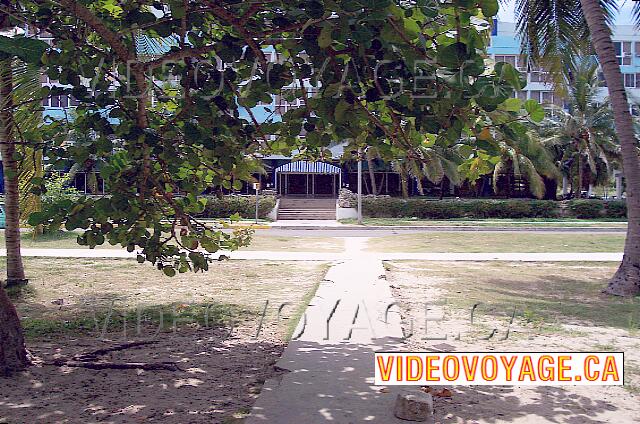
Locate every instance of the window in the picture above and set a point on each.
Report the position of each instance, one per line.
(546, 97)
(629, 80)
(510, 59)
(638, 79)
(535, 95)
(538, 75)
(623, 52)
(522, 63)
(57, 102)
(522, 95)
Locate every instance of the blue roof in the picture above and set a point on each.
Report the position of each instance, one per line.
(305, 167)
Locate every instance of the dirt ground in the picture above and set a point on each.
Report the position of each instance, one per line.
(221, 362)
(549, 317)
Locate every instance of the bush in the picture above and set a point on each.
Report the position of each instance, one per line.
(587, 208)
(616, 209)
(388, 207)
(57, 190)
(245, 206)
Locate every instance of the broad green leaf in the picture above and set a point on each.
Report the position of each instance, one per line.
(535, 111)
(511, 105)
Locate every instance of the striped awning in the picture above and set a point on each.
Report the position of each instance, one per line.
(305, 167)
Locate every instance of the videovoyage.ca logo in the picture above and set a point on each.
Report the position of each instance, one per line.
(499, 368)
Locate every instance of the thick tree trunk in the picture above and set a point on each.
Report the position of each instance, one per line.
(13, 354)
(626, 281)
(15, 269)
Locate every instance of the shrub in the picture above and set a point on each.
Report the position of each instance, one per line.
(388, 207)
(587, 208)
(616, 209)
(57, 190)
(245, 206)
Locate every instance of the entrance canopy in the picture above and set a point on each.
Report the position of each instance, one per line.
(305, 167)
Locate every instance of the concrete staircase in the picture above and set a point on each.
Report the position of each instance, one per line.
(306, 209)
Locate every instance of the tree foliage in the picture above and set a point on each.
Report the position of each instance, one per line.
(400, 76)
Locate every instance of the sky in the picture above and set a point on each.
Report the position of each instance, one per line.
(506, 12)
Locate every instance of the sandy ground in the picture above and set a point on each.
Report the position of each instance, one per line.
(568, 404)
(222, 374)
(221, 367)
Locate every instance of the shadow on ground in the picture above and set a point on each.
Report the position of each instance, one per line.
(222, 373)
(334, 384)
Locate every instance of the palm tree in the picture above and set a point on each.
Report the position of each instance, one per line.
(428, 162)
(548, 28)
(582, 137)
(525, 156)
(19, 110)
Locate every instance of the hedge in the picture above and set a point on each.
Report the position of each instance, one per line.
(245, 206)
(390, 207)
(593, 208)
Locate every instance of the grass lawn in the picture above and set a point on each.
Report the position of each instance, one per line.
(522, 307)
(221, 359)
(262, 241)
(526, 222)
(496, 242)
(550, 292)
(81, 288)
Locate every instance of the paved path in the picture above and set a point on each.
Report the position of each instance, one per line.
(329, 366)
(347, 255)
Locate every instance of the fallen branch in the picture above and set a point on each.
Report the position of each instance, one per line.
(89, 356)
(103, 365)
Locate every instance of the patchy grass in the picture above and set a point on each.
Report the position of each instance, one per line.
(261, 241)
(525, 222)
(84, 295)
(267, 242)
(495, 242)
(542, 293)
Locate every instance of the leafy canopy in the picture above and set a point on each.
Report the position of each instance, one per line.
(398, 76)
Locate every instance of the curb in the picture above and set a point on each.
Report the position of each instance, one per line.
(451, 228)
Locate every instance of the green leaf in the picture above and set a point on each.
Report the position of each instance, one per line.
(325, 38)
(489, 7)
(340, 112)
(29, 50)
(511, 105)
(510, 74)
(169, 271)
(535, 111)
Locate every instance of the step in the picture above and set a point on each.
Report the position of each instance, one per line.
(306, 204)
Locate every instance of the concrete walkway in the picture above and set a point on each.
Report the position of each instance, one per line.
(328, 367)
(347, 255)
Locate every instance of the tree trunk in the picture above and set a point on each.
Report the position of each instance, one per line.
(580, 176)
(404, 183)
(372, 177)
(15, 269)
(626, 281)
(13, 354)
